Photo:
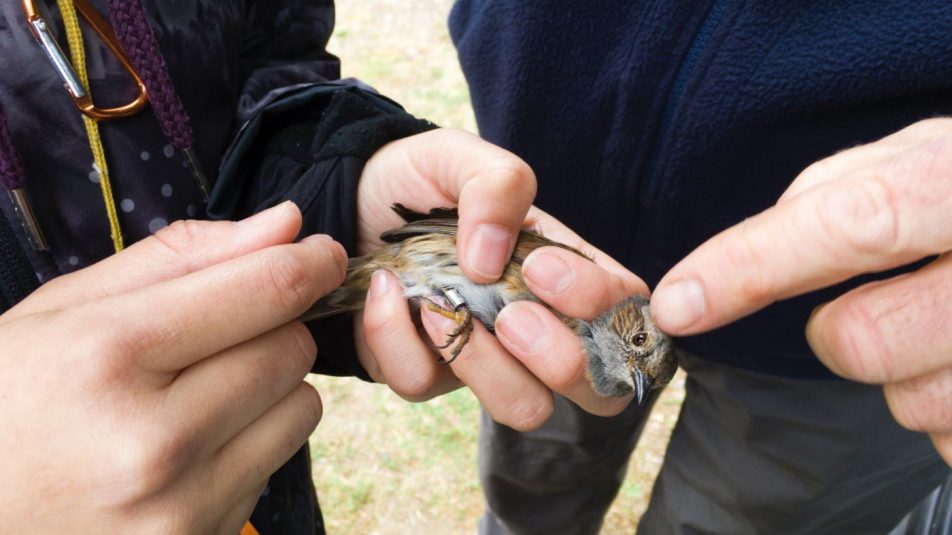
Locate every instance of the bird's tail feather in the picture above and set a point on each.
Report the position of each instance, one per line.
(347, 298)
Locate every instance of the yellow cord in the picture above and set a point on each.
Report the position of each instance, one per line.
(78, 53)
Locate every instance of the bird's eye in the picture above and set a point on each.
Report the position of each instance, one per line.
(640, 339)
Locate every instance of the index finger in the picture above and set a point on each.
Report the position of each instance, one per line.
(878, 218)
(176, 250)
(172, 324)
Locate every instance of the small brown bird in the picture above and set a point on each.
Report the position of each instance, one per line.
(625, 351)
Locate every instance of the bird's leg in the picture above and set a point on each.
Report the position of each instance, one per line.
(464, 322)
(460, 335)
(463, 318)
(467, 330)
(451, 314)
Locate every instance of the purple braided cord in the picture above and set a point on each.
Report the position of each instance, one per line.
(11, 172)
(137, 38)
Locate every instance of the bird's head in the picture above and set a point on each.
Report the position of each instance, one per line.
(627, 353)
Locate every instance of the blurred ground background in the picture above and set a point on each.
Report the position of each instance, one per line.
(382, 465)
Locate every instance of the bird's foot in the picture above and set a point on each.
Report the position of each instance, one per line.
(460, 335)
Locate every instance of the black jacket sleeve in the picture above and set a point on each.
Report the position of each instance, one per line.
(284, 42)
(309, 146)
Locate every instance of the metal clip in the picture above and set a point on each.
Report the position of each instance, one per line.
(44, 36)
(191, 161)
(21, 204)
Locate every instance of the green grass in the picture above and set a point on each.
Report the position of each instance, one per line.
(376, 456)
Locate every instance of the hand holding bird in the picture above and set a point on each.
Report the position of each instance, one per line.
(532, 354)
(625, 352)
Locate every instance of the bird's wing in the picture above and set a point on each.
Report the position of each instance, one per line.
(444, 221)
(410, 215)
(438, 221)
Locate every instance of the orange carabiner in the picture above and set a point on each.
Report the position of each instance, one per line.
(74, 87)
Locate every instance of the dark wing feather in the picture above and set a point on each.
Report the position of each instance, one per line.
(438, 221)
(410, 216)
(444, 221)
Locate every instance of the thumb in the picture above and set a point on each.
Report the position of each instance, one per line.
(493, 188)
(181, 248)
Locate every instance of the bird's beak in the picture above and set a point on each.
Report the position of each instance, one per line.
(642, 385)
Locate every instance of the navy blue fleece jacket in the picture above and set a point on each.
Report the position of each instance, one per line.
(652, 125)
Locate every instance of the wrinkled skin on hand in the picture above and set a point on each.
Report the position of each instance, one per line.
(867, 209)
(157, 390)
(533, 354)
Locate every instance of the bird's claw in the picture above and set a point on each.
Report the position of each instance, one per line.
(460, 335)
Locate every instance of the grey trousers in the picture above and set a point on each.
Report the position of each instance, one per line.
(751, 453)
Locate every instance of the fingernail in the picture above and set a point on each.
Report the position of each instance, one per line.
(548, 271)
(522, 327)
(488, 250)
(271, 215)
(323, 240)
(439, 321)
(678, 305)
(379, 284)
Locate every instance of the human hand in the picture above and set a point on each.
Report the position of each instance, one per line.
(156, 391)
(867, 209)
(535, 354)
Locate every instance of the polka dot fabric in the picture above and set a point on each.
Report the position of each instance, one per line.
(212, 50)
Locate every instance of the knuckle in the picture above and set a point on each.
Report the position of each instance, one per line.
(331, 254)
(146, 462)
(896, 400)
(529, 413)
(515, 176)
(856, 344)
(756, 284)
(819, 169)
(102, 356)
(401, 371)
(414, 385)
(309, 405)
(297, 348)
(904, 409)
(182, 236)
(102, 368)
(407, 376)
(287, 278)
(923, 403)
(368, 360)
(339, 260)
(862, 217)
(285, 357)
